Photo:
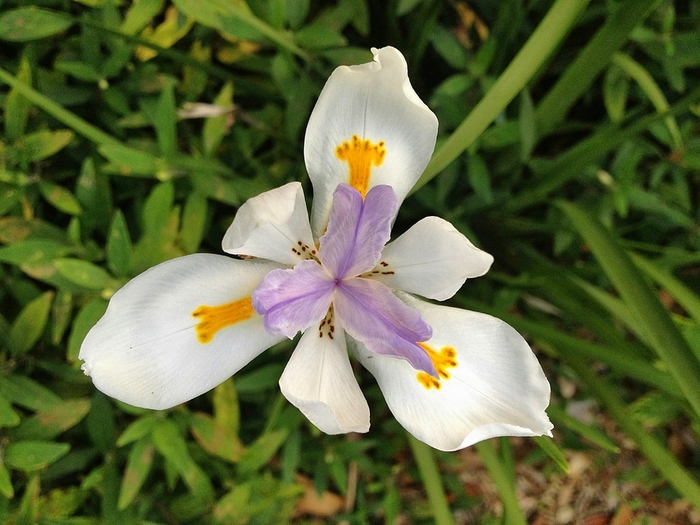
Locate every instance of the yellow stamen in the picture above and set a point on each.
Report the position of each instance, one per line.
(361, 155)
(442, 360)
(214, 318)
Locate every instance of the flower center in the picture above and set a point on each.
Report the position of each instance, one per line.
(214, 318)
(361, 155)
(442, 360)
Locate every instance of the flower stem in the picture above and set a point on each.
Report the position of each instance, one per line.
(536, 51)
(430, 474)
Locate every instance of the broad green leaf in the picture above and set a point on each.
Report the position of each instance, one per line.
(166, 34)
(479, 177)
(15, 229)
(261, 452)
(297, 11)
(615, 89)
(137, 430)
(137, 468)
(30, 324)
(119, 248)
(6, 488)
(215, 128)
(41, 144)
(61, 315)
(83, 273)
(216, 439)
(130, 161)
(8, 417)
(94, 194)
(62, 199)
(194, 218)
(16, 106)
(156, 210)
(46, 425)
(20, 390)
(31, 23)
(226, 408)
(100, 422)
(86, 318)
(139, 15)
(33, 252)
(34, 455)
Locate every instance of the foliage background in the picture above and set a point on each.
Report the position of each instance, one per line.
(568, 148)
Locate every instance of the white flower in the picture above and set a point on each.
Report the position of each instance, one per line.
(451, 377)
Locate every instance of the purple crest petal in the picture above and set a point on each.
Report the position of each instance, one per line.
(293, 300)
(370, 313)
(357, 230)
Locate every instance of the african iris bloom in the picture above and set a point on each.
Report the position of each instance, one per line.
(451, 377)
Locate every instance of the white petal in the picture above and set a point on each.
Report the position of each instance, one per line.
(431, 259)
(497, 387)
(273, 225)
(319, 381)
(373, 101)
(145, 350)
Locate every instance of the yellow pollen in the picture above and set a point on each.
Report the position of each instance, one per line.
(442, 360)
(214, 318)
(361, 155)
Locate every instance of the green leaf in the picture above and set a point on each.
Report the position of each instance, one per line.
(83, 273)
(216, 439)
(137, 430)
(16, 106)
(166, 120)
(30, 324)
(139, 15)
(34, 455)
(20, 390)
(227, 411)
(615, 89)
(479, 177)
(553, 451)
(8, 417)
(130, 161)
(86, 318)
(137, 468)
(119, 248)
(194, 218)
(62, 199)
(31, 23)
(215, 128)
(41, 144)
(643, 303)
(61, 315)
(47, 425)
(6, 488)
(261, 451)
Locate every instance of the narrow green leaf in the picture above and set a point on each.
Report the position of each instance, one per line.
(130, 161)
(261, 451)
(6, 488)
(20, 390)
(643, 303)
(502, 477)
(62, 199)
(137, 468)
(137, 430)
(86, 318)
(536, 51)
(592, 434)
(30, 324)
(139, 15)
(216, 439)
(226, 408)
(16, 106)
(615, 89)
(432, 481)
(166, 120)
(119, 248)
(41, 144)
(194, 218)
(553, 451)
(8, 417)
(61, 317)
(46, 425)
(83, 273)
(31, 23)
(30, 456)
(215, 128)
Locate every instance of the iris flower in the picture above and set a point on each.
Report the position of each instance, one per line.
(451, 377)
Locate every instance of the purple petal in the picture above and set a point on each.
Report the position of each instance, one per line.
(370, 313)
(357, 230)
(292, 300)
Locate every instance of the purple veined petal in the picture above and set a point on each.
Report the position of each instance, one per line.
(372, 314)
(357, 230)
(292, 300)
